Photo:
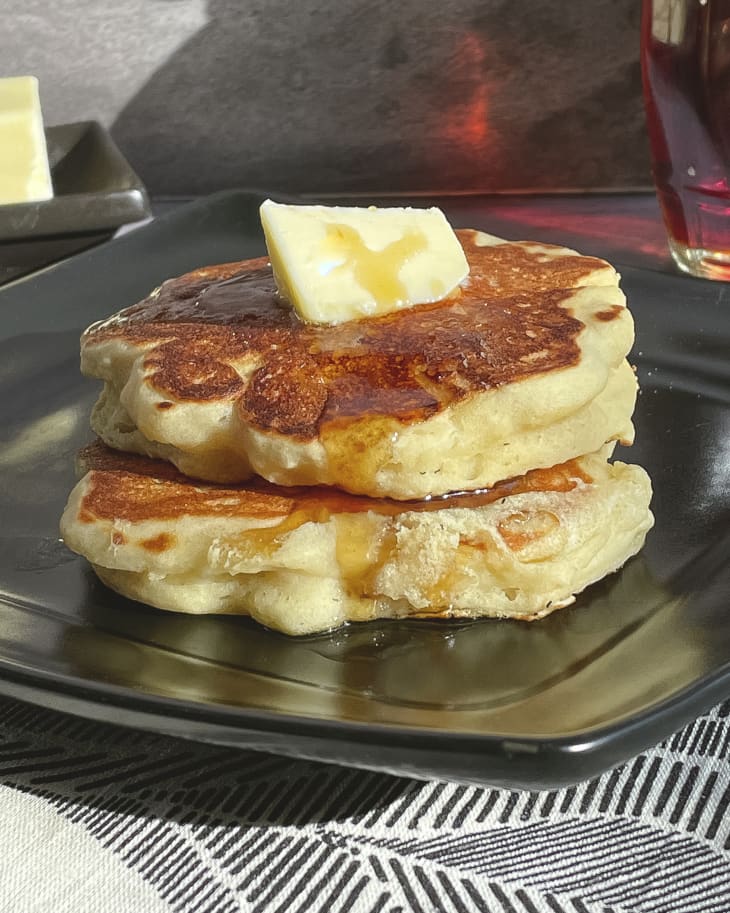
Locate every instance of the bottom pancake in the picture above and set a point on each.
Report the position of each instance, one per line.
(305, 560)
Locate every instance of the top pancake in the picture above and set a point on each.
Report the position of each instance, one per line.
(523, 369)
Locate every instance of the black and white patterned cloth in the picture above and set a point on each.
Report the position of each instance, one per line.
(97, 818)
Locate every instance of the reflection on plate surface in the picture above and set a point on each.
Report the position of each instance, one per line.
(634, 658)
(512, 677)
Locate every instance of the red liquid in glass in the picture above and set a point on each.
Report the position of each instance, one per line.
(686, 71)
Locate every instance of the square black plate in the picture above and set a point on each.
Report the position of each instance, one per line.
(508, 703)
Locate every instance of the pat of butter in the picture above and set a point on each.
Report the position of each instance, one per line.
(24, 173)
(338, 263)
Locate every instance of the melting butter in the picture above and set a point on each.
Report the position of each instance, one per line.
(376, 271)
(340, 263)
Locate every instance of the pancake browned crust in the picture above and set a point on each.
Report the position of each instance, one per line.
(304, 560)
(525, 368)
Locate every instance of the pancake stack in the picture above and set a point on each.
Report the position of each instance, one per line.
(449, 459)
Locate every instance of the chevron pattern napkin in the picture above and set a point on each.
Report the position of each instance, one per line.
(98, 818)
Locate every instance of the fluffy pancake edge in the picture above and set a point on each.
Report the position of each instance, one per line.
(521, 556)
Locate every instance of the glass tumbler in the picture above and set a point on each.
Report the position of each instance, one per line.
(685, 62)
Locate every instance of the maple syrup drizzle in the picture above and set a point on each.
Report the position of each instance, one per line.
(128, 487)
(376, 271)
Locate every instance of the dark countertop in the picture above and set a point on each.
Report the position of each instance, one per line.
(623, 228)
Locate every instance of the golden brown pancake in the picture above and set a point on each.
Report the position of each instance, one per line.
(303, 560)
(524, 368)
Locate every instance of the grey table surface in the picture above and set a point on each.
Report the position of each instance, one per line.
(98, 817)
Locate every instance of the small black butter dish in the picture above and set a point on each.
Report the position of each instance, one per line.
(95, 192)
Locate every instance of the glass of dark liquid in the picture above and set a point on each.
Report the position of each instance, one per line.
(685, 60)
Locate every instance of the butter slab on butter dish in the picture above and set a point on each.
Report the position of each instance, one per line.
(24, 173)
(94, 188)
